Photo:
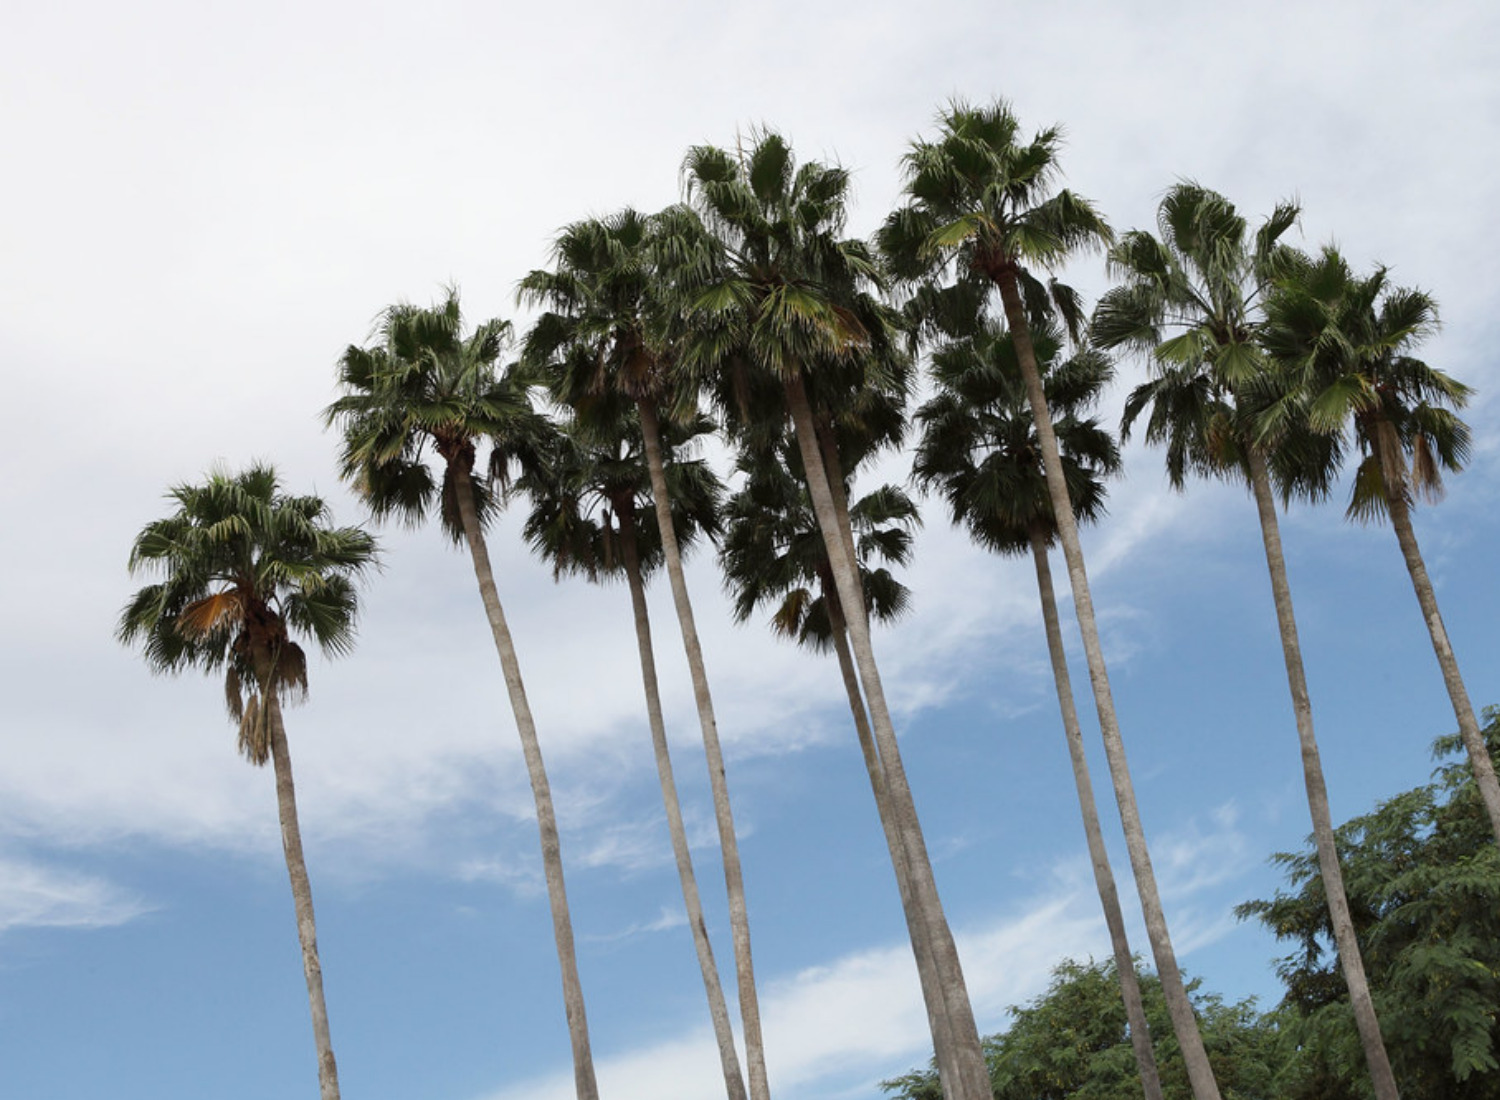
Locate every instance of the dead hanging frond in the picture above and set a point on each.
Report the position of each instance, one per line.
(1369, 502)
(1392, 458)
(788, 619)
(255, 730)
(1426, 473)
(212, 614)
(234, 693)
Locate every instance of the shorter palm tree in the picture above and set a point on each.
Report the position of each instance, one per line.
(245, 568)
(979, 448)
(591, 515)
(1346, 342)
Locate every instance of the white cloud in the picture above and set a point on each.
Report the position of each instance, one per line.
(40, 895)
(861, 1015)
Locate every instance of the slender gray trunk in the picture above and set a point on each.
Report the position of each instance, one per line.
(969, 1079)
(584, 1081)
(932, 992)
(1458, 694)
(1104, 878)
(734, 1081)
(296, 869)
(1179, 1008)
(734, 883)
(1317, 791)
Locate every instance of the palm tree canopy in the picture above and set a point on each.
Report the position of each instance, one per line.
(427, 383)
(593, 475)
(979, 445)
(1345, 342)
(1192, 302)
(774, 551)
(779, 291)
(983, 197)
(245, 567)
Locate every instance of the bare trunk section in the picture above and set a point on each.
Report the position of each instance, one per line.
(1463, 710)
(1104, 879)
(1317, 791)
(734, 1080)
(296, 869)
(734, 883)
(970, 1078)
(584, 1081)
(932, 992)
(1184, 1023)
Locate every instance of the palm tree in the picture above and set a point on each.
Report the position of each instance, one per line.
(979, 449)
(1348, 342)
(983, 202)
(245, 568)
(426, 383)
(607, 331)
(780, 299)
(590, 495)
(1191, 301)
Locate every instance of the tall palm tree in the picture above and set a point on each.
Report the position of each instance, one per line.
(608, 331)
(1191, 301)
(591, 503)
(782, 298)
(426, 383)
(1348, 342)
(245, 568)
(983, 202)
(979, 449)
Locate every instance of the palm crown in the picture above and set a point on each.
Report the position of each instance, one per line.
(426, 383)
(246, 567)
(774, 550)
(1346, 342)
(979, 443)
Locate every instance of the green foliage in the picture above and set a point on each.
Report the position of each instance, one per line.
(245, 567)
(1423, 879)
(1073, 1042)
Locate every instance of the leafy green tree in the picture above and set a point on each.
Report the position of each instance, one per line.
(428, 384)
(609, 331)
(979, 448)
(245, 569)
(781, 300)
(1191, 303)
(983, 206)
(1348, 342)
(592, 515)
(1424, 886)
(1072, 1043)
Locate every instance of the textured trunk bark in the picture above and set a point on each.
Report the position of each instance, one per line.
(1317, 791)
(1458, 694)
(734, 1080)
(584, 1081)
(970, 1078)
(1184, 1023)
(296, 869)
(932, 991)
(1104, 878)
(734, 883)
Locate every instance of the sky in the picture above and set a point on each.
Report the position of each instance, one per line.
(205, 204)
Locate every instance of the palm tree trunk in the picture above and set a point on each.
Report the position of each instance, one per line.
(584, 1082)
(1463, 710)
(932, 992)
(1184, 1023)
(307, 930)
(1317, 791)
(970, 1076)
(734, 883)
(734, 1081)
(1104, 879)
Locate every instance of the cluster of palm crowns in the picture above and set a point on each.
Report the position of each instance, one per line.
(746, 300)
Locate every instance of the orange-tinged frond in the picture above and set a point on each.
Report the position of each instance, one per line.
(203, 617)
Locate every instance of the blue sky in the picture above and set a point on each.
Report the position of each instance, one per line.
(205, 206)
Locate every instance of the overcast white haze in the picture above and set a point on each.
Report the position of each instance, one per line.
(203, 204)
